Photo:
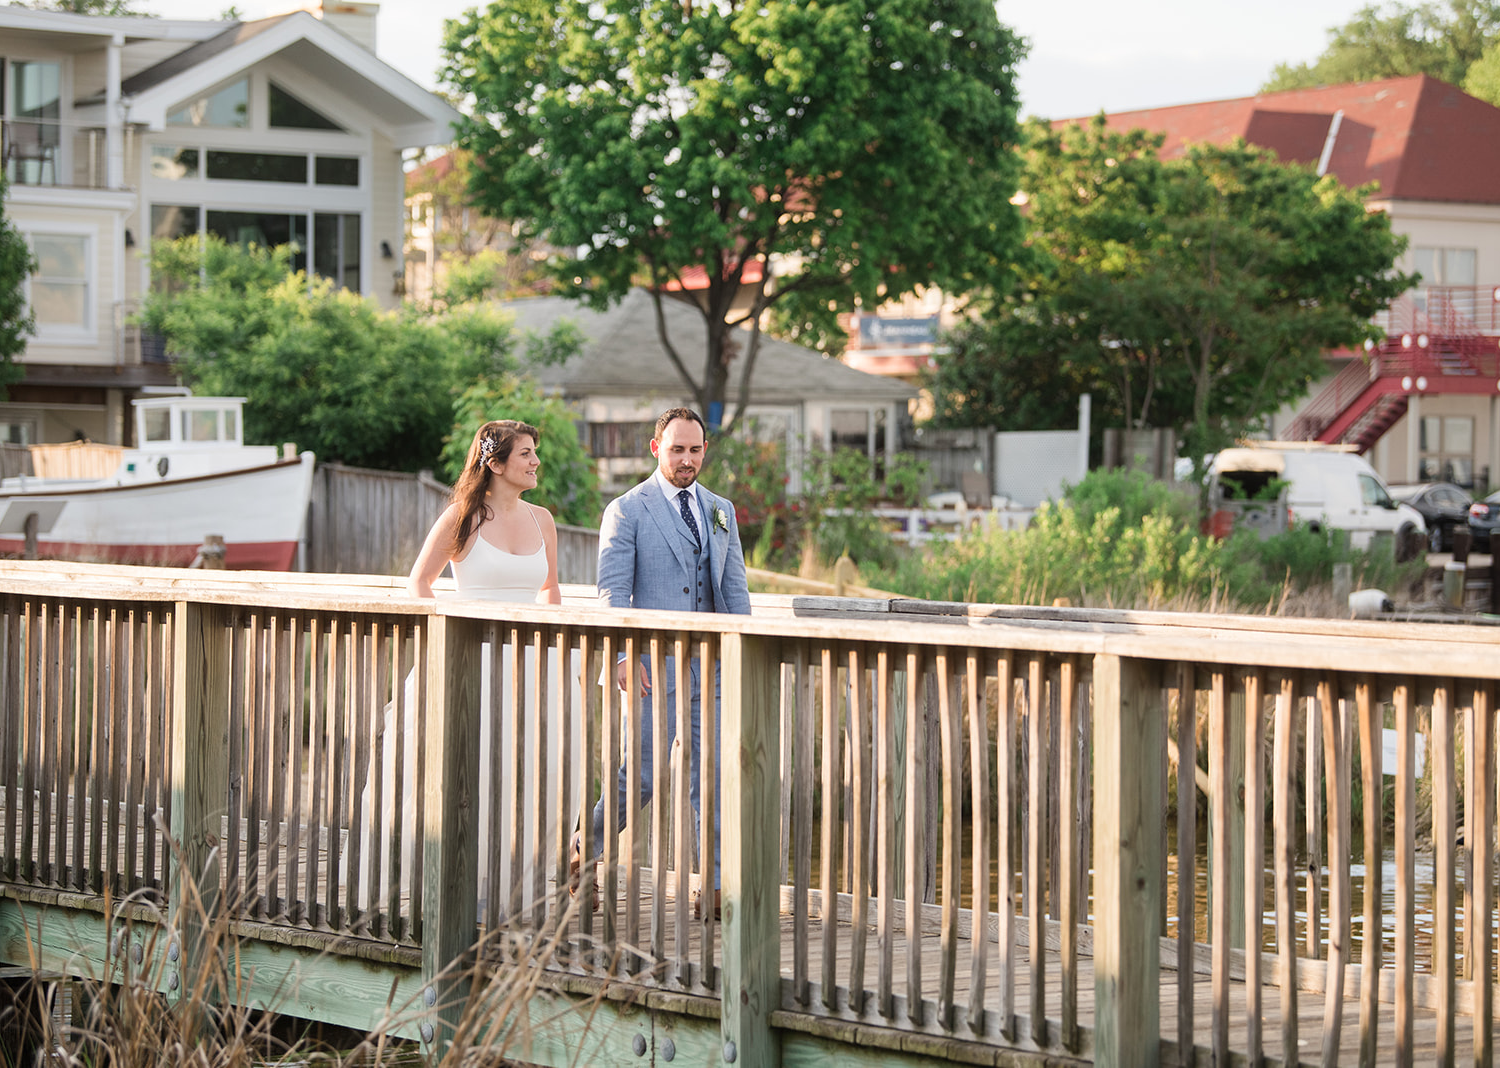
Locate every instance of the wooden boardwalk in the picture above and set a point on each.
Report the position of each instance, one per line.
(199, 758)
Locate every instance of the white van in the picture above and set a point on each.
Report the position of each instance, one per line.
(1326, 486)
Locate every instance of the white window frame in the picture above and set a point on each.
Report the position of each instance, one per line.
(88, 331)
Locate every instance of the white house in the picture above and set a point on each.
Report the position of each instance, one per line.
(116, 132)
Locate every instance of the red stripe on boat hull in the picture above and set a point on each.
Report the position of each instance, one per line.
(239, 556)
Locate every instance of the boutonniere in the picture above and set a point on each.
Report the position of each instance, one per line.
(721, 521)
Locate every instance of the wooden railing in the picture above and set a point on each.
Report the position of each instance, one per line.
(961, 822)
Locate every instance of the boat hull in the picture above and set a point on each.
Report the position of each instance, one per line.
(260, 512)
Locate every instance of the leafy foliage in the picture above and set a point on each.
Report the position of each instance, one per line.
(16, 320)
(869, 142)
(566, 483)
(323, 367)
(832, 516)
(1118, 539)
(1197, 292)
(1395, 40)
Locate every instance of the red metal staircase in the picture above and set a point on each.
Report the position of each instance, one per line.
(1375, 388)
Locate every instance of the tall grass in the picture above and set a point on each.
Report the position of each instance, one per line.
(1119, 539)
(137, 1014)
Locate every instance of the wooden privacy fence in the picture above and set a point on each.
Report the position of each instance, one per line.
(366, 522)
(942, 831)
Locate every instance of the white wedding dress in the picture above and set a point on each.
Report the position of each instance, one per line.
(489, 573)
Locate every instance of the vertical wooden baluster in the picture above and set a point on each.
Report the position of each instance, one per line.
(976, 677)
(158, 725)
(1036, 831)
(509, 718)
(671, 804)
(859, 880)
(1312, 785)
(1483, 849)
(36, 664)
(424, 664)
(1371, 729)
(492, 809)
(661, 796)
(337, 811)
(566, 765)
(1444, 873)
(617, 703)
(278, 655)
(1254, 853)
(833, 762)
(1406, 858)
(135, 774)
(77, 814)
(919, 713)
(710, 774)
(535, 663)
(317, 757)
(50, 723)
(366, 767)
(296, 731)
(10, 709)
(1283, 785)
(950, 739)
(255, 769)
(590, 667)
(805, 725)
(1338, 857)
(885, 818)
(1187, 852)
(1005, 821)
(1067, 856)
(99, 763)
(1466, 939)
(633, 822)
(239, 727)
(682, 814)
(1220, 841)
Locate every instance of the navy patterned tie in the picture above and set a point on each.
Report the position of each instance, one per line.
(687, 514)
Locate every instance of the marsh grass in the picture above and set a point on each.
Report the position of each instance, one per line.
(155, 1005)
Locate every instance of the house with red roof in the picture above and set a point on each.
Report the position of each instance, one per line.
(1425, 402)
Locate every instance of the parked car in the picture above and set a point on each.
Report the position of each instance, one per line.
(1444, 508)
(1319, 486)
(1484, 517)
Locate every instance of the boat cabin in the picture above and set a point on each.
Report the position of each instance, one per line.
(163, 423)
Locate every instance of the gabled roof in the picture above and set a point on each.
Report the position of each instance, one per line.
(623, 356)
(1419, 138)
(409, 114)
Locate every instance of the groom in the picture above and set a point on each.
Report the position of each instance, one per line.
(670, 544)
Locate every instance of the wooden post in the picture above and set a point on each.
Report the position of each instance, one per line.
(450, 850)
(752, 942)
(1129, 739)
(200, 783)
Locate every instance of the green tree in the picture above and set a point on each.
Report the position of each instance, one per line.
(1396, 40)
(868, 143)
(16, 320)
(1197, 292)
(320, 366)
(91, 7)
(567, 484)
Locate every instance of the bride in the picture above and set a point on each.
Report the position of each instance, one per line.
(501, 548)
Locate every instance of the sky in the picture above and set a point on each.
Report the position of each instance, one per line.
(1085, 55)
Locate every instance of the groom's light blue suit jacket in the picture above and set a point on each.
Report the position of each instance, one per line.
(644, 564)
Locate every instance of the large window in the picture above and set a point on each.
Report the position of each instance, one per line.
(1445, 266)
(31, 105)
(60, 286)
(266, 229)
(336, 248)
(257, 166)
(290, 113)
(1447, 449)
(226, 107)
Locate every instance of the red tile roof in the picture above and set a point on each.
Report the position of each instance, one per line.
(1420, 138)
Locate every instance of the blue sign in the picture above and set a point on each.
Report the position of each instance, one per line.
(897, 333)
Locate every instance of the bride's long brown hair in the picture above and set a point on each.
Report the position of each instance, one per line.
(493, 441)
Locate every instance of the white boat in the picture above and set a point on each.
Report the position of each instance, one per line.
(191, 476)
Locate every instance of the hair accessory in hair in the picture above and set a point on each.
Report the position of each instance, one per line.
(487, 447)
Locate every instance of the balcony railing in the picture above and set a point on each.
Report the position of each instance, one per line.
(1444, 310)
(57, 152)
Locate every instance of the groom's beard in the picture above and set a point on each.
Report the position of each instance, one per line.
(683, 477)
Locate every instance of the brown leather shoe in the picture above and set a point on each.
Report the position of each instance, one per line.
(698, 905)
